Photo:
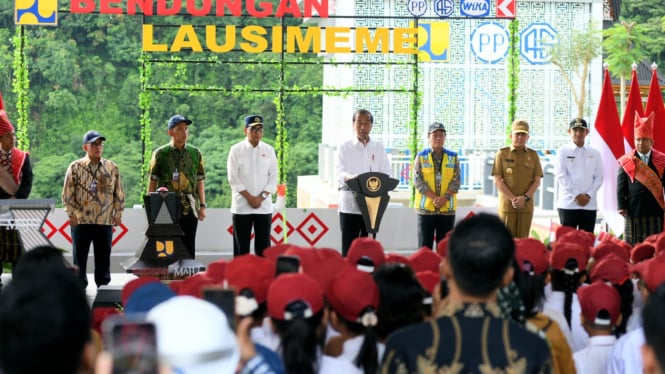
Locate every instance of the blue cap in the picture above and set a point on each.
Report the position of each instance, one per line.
(175, 120)
(92, 136)
(253, 120)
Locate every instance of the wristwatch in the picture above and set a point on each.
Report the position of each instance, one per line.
(203, 205)
(264, 195)
(526, 197)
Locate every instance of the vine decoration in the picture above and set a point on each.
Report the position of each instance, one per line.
(21, 87)
(513, 73)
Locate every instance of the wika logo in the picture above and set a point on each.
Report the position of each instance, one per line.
(433, 41)
(36, 12)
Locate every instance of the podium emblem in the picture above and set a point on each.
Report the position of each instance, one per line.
(373, 184)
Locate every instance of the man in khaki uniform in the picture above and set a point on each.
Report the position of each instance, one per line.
(517, 174)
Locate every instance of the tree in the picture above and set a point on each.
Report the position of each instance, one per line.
(573, 57)
(649, 14)
(624, 45)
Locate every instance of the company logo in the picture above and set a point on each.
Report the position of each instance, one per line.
(474, 8)
(535, 40)
(36, 12)
(165, 248)
(433, 41)
(443, 8)
(489, 42)
(417, 8)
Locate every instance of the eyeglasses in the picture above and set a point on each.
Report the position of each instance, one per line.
(256, 129)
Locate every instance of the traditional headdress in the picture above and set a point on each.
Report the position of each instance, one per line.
(644, 126)
(5, 125)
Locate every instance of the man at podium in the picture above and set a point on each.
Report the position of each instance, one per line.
(15, 183)
(355, 156)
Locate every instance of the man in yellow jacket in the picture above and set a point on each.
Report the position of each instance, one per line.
(437, 180)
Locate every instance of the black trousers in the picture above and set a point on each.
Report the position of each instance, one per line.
(352, 226)
(100, 237)
(429, 225)
(242, 233)
(578, 218)
(188, 224)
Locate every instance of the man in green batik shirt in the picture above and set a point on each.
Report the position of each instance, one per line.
(178, 166)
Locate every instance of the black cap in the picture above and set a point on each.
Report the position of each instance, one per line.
(253, 120)
(436, 126)
(175, 120)
(92, 136)
(578, 122)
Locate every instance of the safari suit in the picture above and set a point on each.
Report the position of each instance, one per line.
(518, 168)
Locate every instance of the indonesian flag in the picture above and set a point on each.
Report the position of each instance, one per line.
(634, 104)
(655, 105)
(608, 140)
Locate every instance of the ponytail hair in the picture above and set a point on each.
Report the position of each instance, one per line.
(300, 343)
(567, 280)
(368, 355)
(626, 292)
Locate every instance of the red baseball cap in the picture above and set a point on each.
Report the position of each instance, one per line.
(251, 272)
(580, 237)
(608, 247)
(398, 258)
(442, 245)
(274, 251)
(565, 250)
(425, 259)
(642, 251)
(652, 271)
(216, 269)
(660, 243)
(610, 269)
(194, 285)
(368, 249)
(429, 280)
(535, 253)
(352, 293)
(596, 297)
(293, 295)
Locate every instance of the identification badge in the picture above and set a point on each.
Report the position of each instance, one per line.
(93, 187)
(176, 176)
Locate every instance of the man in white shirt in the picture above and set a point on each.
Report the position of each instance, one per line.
(357, 156)
(579, 171)
(252, 174)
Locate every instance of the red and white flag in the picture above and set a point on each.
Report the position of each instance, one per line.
(608, 140)
(655, 104)
(634, 104)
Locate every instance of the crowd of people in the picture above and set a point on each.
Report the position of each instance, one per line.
(477, 297)
(481, 302)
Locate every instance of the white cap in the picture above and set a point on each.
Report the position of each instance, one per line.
(194, 337)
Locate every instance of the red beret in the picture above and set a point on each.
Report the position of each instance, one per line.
(251, 272)
(563, 251)
(607, 247)
(368, 248)
(425, 259)
(533, 251)
(596, 297)
(351, 293)
(641, 252)
(290, 288)
(611, 269)
(132, 285)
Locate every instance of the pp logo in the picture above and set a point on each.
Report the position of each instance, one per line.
(433, 41)
(36, 12)
(489, 42)
(534, 41)
(417, 8)
(165, 248)
(444, 8)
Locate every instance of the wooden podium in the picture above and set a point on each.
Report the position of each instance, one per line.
(371, 192)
